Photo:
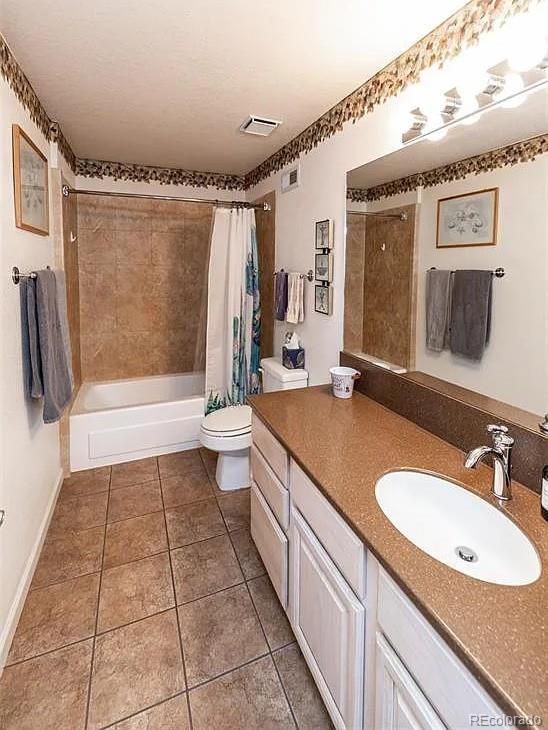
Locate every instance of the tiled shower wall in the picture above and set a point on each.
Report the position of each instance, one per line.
(143, 286)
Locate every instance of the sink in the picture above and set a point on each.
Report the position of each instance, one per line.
(457, 527)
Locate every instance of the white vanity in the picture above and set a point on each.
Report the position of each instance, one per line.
(376, 661)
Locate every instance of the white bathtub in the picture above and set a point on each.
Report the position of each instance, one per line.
(124, 420)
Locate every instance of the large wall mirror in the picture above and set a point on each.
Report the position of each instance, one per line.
(447, 256)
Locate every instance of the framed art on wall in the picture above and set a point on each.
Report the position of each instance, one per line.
(323, 299)
(323, 267)
(469, 219)
(324, 234)
(30, 184)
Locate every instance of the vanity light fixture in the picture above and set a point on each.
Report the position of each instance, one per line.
(510, 62)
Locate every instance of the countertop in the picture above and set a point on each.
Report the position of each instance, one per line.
(345, 446)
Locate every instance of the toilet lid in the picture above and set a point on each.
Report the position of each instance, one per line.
(232, 420)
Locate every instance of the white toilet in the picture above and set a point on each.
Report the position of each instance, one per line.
(228, 430)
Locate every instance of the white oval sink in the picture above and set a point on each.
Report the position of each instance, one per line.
(457, 528)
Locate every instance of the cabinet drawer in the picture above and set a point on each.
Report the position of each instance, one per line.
(449, 686)
(270, 487)
(328, 621)
(270, 448)
(344, 547)
(271, 543)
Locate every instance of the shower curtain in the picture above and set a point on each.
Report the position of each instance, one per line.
(233, 314)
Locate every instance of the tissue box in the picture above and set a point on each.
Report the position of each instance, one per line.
(293, 359)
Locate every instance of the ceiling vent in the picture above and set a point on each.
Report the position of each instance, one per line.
(259, 125)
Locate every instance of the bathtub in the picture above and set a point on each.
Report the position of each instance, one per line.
(124, 420)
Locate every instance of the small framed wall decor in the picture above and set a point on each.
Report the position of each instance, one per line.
(323, 299)
(323, 267)
(468, 220)
(30, 184)
(324, 234)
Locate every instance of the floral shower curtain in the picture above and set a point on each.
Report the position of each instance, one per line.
(234, 313)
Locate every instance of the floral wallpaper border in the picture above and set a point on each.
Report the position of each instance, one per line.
(463, 28)
(512, 154)
(21, 87)
(163, 175)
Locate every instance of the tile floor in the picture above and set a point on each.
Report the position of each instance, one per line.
(150, 608)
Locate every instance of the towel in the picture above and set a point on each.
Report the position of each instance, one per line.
(61, 290)
(56, 367)
(280, 295)
(32, 364)
(470, 313)
(438, 288)
(295, 298)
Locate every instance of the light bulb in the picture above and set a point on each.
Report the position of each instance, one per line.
(526, 54)
(472, 76)
(526, 42)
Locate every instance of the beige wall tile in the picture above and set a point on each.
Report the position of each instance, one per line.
(143, 286)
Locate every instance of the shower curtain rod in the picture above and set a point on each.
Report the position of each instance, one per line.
(398, 216)
(230, 203)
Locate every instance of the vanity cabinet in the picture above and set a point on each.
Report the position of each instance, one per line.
(328, 621)
(376, 660)
(399, 702)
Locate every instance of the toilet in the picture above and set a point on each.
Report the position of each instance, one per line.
(228, 430)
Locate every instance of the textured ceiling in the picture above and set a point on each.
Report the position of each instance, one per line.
(169, 82)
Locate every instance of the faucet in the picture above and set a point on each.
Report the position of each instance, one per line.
(501, 453)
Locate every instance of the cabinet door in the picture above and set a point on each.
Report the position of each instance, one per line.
(399, 703)
(328, 621)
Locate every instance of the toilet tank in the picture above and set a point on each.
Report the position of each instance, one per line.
(276, 377)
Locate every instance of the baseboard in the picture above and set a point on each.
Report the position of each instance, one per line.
(14, 614)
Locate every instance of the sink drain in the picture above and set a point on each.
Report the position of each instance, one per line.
(466, 554)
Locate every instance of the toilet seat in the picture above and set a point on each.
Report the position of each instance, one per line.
(228, 422)
(228, 429)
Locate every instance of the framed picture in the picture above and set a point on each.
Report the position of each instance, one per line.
(324, 234)
(323, 267)
(30, 184)
(323, 299)
(468, 220)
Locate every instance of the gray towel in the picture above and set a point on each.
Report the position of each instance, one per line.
(438, 289)
(470, 313)
(56, 368)
(280, 295)
(61, 289)
(32, 362)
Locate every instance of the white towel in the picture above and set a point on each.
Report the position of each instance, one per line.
(295, 298)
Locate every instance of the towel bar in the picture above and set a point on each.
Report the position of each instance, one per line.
(16, 275)
(498, 272)
(309, 275)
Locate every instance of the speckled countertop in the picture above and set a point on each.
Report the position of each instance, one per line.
(345, 446)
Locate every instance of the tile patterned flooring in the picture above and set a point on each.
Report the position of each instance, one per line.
(150, 608)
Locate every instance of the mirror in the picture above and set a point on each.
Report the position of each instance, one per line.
(447, 257)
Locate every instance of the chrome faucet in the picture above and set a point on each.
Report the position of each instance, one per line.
(501, 453)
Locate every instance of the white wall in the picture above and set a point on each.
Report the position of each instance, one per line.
(322, 194)
(513, 368)
(29, 450)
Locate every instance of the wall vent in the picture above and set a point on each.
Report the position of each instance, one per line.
(259, 125)
(291, 179)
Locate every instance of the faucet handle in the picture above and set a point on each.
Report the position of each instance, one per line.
(499, 434)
